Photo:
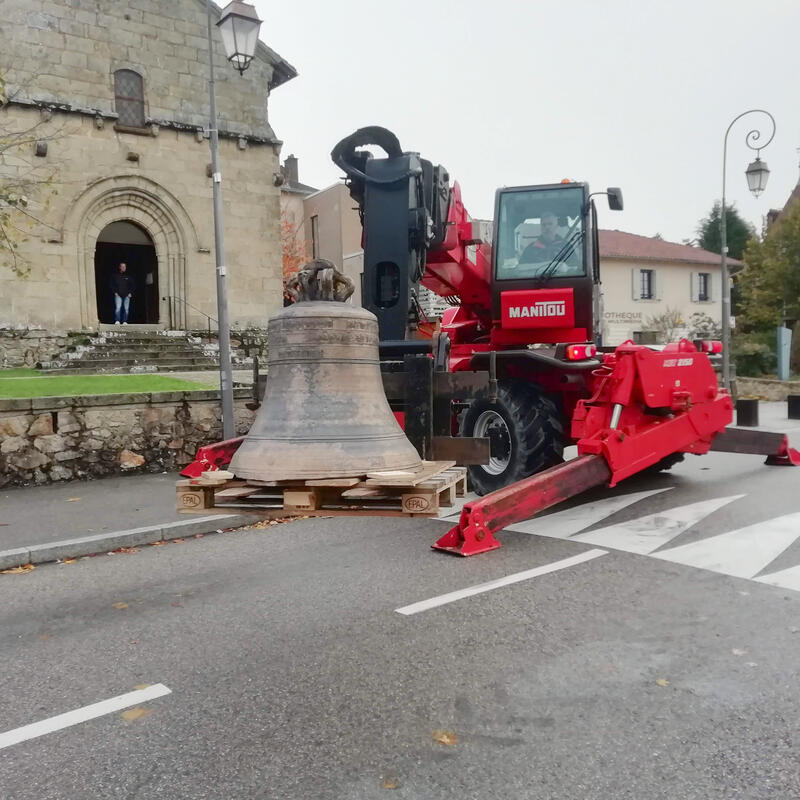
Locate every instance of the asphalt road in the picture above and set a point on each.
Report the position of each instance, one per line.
(292, 674)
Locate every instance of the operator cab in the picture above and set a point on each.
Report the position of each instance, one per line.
(540, 233)
(546, 263)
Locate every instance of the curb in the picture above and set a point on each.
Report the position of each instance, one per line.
(104, 542)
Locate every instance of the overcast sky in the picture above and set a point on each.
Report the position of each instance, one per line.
(622, 93)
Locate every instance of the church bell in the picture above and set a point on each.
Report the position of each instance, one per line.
(324, 413)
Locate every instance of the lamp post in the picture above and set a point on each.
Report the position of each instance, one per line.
(239, 26)
(757, 174)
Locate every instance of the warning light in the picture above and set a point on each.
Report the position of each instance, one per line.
(579, 352)
(566, 180)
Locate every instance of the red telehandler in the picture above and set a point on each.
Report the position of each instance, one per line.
(516, 370)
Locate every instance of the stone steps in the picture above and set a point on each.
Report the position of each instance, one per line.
(134, 351)
(142, 369)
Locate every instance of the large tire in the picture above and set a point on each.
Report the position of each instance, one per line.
(526, 432)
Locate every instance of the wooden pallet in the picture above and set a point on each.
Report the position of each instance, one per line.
(422, 493)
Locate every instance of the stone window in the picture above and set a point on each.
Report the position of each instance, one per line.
(129, 98)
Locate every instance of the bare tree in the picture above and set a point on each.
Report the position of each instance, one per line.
(666, 325)
(25, 183)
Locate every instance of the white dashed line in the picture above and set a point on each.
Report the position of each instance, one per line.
(451, 597)
(84, 714)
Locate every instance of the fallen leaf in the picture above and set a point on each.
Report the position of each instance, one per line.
(68, 560)
(120, 604)
(178, 541)
(73, 499)
(19, 570)
(126, 550)
(662, 681)
(389, 783)
(136, 713)
(44, 635)
(133, 641)
(199, 535)
(143, 686)
(158, 544)
(445, 737)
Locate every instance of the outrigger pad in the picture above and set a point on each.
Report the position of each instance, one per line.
(773, 445)
(468, 541)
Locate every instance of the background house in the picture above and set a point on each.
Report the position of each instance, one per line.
(117, 99)
(644, 279)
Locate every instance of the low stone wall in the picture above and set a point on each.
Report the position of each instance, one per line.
(766, 389)
(245, 344)
(62, 438)
(25, 347)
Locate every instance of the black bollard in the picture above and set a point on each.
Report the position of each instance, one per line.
(793, 401)
(747, 412)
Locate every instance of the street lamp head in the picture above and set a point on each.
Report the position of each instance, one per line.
(757, 174)
(239, 26)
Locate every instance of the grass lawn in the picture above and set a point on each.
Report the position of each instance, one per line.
(31, 383)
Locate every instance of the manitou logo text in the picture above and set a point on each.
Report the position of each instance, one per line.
(551, 309)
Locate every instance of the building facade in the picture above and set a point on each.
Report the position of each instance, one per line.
(115, 99)
(650, 286)
(333, 231)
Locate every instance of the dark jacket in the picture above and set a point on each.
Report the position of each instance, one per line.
(122, 284)
(541, 251)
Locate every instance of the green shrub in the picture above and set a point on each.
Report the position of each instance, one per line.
(754, 354)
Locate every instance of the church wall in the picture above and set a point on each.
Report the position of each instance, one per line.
(174, 165)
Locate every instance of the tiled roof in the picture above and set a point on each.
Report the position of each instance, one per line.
(618, 244)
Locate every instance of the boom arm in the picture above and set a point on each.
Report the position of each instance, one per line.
(416, 230)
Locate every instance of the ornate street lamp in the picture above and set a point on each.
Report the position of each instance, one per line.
(239, 26)
(757, 174)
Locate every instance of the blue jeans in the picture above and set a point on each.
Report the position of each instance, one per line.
(123, 305)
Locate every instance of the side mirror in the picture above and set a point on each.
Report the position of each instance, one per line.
(614, 198)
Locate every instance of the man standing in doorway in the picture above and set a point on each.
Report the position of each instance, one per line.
(123, 286)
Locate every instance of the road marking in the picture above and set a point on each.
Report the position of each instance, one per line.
(451, 597)
(84, 714)
(785, 579)
(572, 520)
(742, 553)
(646, 534)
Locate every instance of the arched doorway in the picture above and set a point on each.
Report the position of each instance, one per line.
(124, 241)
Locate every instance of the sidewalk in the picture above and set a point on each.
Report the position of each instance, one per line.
(37, 514)
(45, 523)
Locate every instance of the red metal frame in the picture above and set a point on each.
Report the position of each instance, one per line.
(645, 405)
(212, 457)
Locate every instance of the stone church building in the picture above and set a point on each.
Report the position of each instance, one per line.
(114, 94)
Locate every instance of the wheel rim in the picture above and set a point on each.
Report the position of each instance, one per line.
(491, 424)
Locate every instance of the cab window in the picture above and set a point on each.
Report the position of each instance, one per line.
(540, 234)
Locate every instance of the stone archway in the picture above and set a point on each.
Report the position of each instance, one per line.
(143, 202)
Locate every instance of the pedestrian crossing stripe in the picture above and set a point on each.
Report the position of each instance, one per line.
(647, 534)
(744, 553)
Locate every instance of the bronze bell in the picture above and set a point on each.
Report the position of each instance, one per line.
(324, 412)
